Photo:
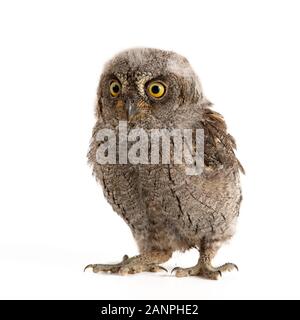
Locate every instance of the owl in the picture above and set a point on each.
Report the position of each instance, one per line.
(165, 208)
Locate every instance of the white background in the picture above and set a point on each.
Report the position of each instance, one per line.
(53, 217)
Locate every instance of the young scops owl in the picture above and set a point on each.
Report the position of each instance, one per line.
(165, 208)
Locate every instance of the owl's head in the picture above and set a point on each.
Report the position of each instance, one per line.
(147, 87)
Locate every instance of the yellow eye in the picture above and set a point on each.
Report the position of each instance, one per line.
(156, 89)
(115, 88)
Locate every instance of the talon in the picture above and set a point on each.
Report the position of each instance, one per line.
(156, 268)
(236, 267)
(88, 266)
(162, 268)
(220, 273)
(175, 269)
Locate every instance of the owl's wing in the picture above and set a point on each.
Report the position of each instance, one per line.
(219, 144)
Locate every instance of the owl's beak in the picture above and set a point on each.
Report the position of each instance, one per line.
(131, 109)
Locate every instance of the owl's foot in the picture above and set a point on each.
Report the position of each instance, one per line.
(137, 264)
(204, 270)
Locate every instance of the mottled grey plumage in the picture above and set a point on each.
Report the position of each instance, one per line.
(166, 209)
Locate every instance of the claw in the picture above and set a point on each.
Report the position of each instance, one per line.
(162, 268)
(176, 268)
(88, 266)
(158, 268)
(228, 267)
(220, 273)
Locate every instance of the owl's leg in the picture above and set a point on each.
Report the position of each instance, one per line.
(148, 262)
(203, 268)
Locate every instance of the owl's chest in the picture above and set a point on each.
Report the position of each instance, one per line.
(140, 190)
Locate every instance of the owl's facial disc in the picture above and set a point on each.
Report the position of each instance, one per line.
(137, 95)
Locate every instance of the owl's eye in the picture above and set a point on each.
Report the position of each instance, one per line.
(156, 89)
(115, 88)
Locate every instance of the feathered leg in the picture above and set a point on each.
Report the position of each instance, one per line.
(203, 268)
